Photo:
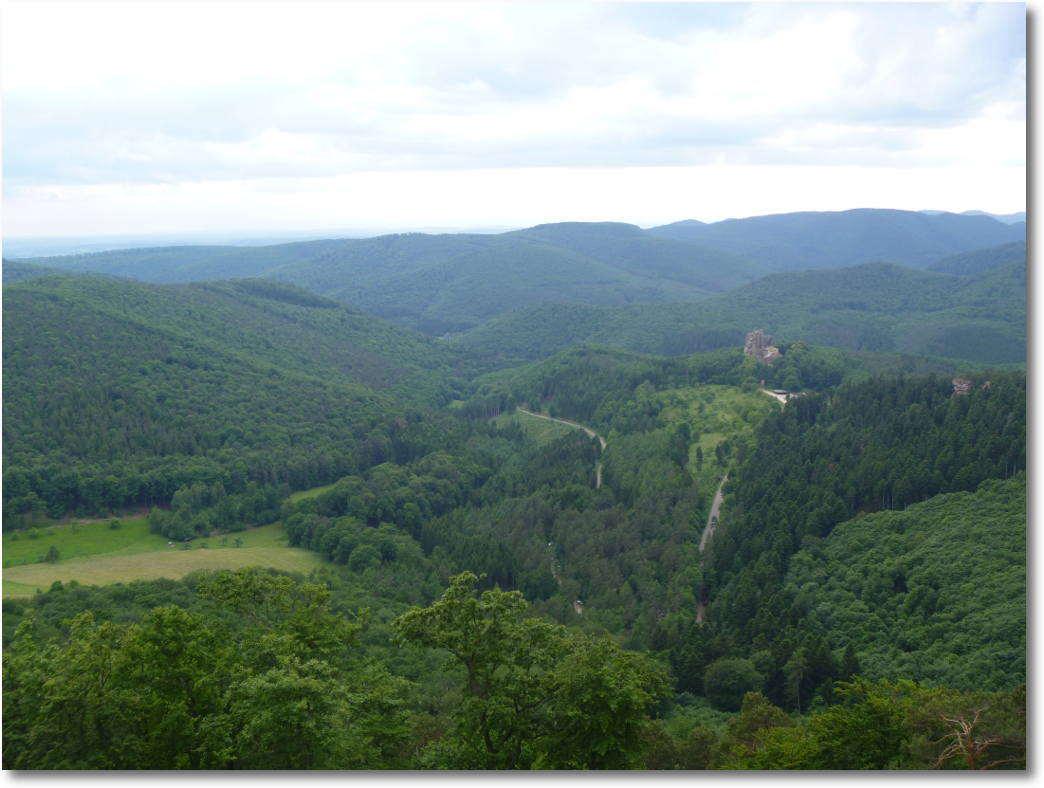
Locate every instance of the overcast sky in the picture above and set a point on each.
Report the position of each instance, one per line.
(147, 118)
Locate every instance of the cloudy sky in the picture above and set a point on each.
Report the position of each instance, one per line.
(151, 118)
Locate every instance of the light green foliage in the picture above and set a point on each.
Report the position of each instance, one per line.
(936, 592)
(274, 685)
(532, 696)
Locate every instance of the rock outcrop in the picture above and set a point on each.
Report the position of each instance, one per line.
(759, 345)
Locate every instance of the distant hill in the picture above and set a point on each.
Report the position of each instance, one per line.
(1007, 218)
(798, 241)
(442, 283)
(970, 263)
(19, 272)
(873, 307)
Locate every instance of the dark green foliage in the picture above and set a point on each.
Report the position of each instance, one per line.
(873, 307)
(834, 239)
(118, 395)
(728, 681)
(446, 283)
(981, 260)
(930, 588)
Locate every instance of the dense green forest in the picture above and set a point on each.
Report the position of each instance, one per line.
(120, 393)
(493, 596)
(874, 307)
(981, 260)
(443, 284)
(836, 239)
(446, 283)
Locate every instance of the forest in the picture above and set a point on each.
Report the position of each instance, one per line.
(875, 307)
(493, 593)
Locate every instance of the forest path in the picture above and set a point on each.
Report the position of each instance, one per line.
(709, 528)
(707, 531)
(589, 431)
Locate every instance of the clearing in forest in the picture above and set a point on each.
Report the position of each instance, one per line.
(541, 430)
(94, 554)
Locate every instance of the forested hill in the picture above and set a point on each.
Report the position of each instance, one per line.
(878, 307)
(834, 239)
(255, 321)
(921, 585)
(440, 283)
(17, 272)
(981, 260)
(119, 393)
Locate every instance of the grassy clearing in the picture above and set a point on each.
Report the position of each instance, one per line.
(541, 430)
(95, 555)
(715, 413)
(81, 541)
(108, 569)
(312, 493)
(18, 589)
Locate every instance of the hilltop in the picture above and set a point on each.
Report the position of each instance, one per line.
(836, 239)
(441, 283)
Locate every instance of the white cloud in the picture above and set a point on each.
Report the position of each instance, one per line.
(173, 94)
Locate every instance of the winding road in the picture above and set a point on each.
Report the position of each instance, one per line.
(590, 432)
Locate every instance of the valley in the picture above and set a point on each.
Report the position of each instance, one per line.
(458, 496)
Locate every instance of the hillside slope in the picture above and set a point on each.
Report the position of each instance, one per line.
(879, 307)
(266, 325)
(19, 272)
(441, 283)
(981, 260)
(835, 239)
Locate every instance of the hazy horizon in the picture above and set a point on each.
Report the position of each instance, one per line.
(457, 115)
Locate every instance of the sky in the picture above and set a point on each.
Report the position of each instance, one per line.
(139, 118)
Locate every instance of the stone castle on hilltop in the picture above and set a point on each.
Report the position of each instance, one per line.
(759, 345)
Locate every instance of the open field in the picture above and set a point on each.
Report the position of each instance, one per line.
(541, 430)
(131, 553)
(312, 493)
(80, 541)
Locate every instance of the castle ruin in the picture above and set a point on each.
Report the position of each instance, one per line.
(759, 345)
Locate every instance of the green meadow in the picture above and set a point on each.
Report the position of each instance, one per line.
(95, 554)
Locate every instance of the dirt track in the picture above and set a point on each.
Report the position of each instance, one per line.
(707, 531)
(709, 528)
(592, 433)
